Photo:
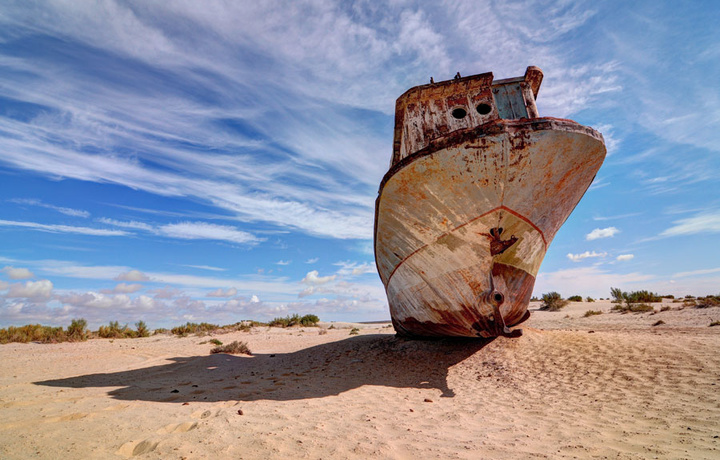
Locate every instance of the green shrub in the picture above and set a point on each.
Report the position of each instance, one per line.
(235, 348)
(552, 301)
(141, 329)
(114, 331)
(575, 298)
(592, 313)
(215, 342)
(589, 299)
(193, 328)
(294, 320)
(309, 320)
(354, 331)
(77, 330)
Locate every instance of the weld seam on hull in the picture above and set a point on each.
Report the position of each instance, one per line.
(504, 208)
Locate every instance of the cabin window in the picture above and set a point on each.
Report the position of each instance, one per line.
(484, 109)
(459, 113)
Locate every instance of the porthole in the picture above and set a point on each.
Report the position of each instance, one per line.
(484, 109)
(459, 113)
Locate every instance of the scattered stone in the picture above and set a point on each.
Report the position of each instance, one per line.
(186, 404)
(175, 391)
(240, 412)
(428, 400)
(412, 410)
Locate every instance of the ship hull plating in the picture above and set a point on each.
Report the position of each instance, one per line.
(462, 226)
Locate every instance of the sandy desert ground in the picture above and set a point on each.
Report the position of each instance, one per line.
(607, 386)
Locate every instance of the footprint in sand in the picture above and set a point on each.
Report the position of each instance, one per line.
(135, 448)
(177, 428)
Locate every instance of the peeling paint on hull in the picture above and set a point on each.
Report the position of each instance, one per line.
(463, 224)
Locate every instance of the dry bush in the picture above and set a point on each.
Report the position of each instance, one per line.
(592, 313)
(553, 301)
(234, 348)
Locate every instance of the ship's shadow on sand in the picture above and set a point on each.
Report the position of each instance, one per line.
(314, 372)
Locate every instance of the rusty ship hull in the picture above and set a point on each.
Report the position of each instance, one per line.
(464, 216)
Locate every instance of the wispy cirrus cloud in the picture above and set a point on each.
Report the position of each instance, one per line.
(55, 228)
(159, 124)
(60, 209)
(706, 222)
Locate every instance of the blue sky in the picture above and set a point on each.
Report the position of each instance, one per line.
(217, 161)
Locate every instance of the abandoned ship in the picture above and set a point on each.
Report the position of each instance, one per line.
(478, 186)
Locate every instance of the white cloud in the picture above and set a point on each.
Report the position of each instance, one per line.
(4, 285)
(355, 268)
(313, 279)
(131, 224)
(625, 257)
(132, 275)
(254, 299)
(602, 233)
(312, 261)
(60, 209)
(222, 292)
(17, 273)
(207, 267)
(701, 223)
(205, 231)
(63, 228)
(707, 271)
(123, 288)
(585, 255)
(36, 290)
(283, 262)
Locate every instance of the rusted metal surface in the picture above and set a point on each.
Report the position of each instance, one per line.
(470, 204)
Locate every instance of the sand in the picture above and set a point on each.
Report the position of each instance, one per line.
(606, 386)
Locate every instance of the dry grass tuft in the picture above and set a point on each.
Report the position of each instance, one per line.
(234, 348)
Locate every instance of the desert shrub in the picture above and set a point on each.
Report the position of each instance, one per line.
(294, 320)
(77, 330)
(592, 313)
(322, 332)
(589, 299)
(708, 302)
(689, 303)
(534, 299)
(215, 342)
(193, 328)
(309, 320)
(575, 298)
(689, 297)
(354, 331)
(552, 301)
(235, 348)
(114, 331)
(33, 333)
(668, 296)
(617, 295)
(160, 330)
(665, 308)
(141, 329)
(715, 323)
